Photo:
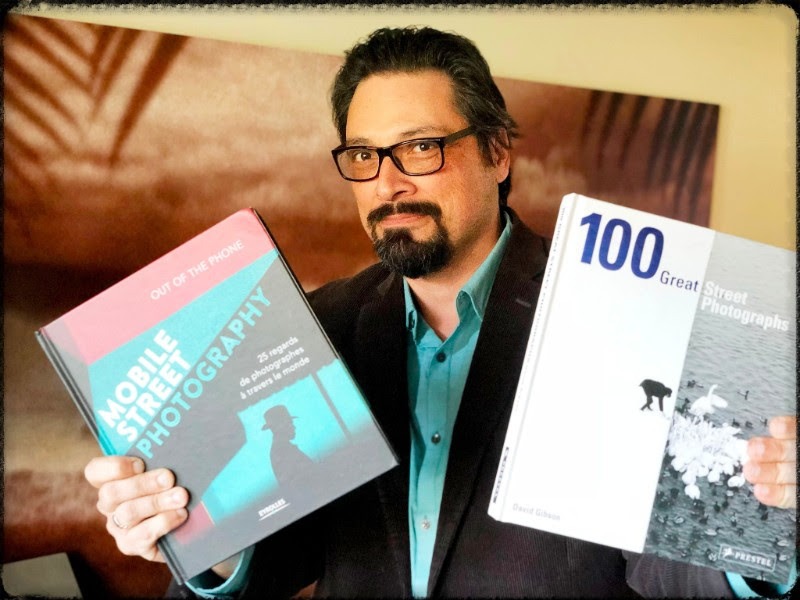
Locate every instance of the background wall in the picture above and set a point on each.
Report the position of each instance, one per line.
(122, 143)
(740, 58)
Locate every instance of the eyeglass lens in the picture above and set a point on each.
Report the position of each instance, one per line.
(415, 157)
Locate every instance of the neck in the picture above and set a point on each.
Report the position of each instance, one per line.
(435, 294)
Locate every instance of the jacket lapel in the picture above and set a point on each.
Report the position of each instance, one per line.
(381, 364)
(492, 380)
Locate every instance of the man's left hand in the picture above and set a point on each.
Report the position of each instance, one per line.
(772, 464)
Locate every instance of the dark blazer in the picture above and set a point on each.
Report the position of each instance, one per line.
(358, 546)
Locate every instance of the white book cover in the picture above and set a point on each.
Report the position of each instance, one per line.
(657, 349)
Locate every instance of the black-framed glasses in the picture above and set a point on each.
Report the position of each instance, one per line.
(421, 156)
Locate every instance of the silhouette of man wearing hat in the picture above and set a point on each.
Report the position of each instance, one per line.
(286, 458)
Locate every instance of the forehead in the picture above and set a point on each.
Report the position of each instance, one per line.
(390, 107)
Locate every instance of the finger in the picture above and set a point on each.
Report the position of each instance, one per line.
(102, 469)
(772, 473)
(767, 449)
(132, 512)
(783, 428)
(141, 539)
(114, 493)
(782, 496)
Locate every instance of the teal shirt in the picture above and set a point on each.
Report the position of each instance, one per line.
(437, 372)
(742, 590)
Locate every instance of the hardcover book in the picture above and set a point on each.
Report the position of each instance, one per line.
(210, 362)
(657, 350)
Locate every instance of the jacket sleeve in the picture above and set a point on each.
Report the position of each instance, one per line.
(281, 565)
(655, 577)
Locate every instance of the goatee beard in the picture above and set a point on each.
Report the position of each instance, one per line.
(400, 252)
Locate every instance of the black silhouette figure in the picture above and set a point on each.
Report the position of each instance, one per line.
(654, 389)
(286, 458)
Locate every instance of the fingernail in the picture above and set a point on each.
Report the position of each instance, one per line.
(138, 466)
(756, 448)
(761, 492)
(176, 498)
(164, 479)
(778, 427)
(182, 513)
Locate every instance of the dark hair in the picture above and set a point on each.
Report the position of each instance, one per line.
(411, 49)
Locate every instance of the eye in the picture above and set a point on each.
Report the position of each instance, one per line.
(422, 146)
(360, 154)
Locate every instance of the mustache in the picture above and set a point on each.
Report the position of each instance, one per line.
(376, 215)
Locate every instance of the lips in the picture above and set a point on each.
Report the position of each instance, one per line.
(398, 213)
(400, 219)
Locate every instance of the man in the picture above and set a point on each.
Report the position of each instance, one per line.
(285, 458)
(426, 142)
(654, 389)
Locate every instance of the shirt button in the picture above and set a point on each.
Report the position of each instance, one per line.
(426, 524)
(441, 357)
(436, 438)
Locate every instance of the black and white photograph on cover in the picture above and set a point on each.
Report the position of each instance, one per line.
(739, 371)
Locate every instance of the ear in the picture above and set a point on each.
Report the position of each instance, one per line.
(501, 156)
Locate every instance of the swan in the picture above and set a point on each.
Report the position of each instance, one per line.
(700, 449)
(714, 475)
(782, 543)
(690, 476)
(692, 491)
(736, 481)
(705, 405)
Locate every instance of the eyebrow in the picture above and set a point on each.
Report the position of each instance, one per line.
(431, 130)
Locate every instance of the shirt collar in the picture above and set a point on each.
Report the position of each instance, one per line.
(475, 292)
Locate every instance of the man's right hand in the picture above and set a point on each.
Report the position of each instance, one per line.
(140, 506)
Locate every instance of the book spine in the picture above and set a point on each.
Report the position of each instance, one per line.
(88, 416)
(171, 559)
(497, 506)
(73, 388)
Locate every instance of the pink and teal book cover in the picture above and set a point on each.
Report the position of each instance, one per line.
(210, 362)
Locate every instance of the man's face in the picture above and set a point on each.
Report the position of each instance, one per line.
(423, 224)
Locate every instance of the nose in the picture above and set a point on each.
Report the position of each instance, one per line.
(391, 183)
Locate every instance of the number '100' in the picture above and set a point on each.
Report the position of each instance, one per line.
(613, 264)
